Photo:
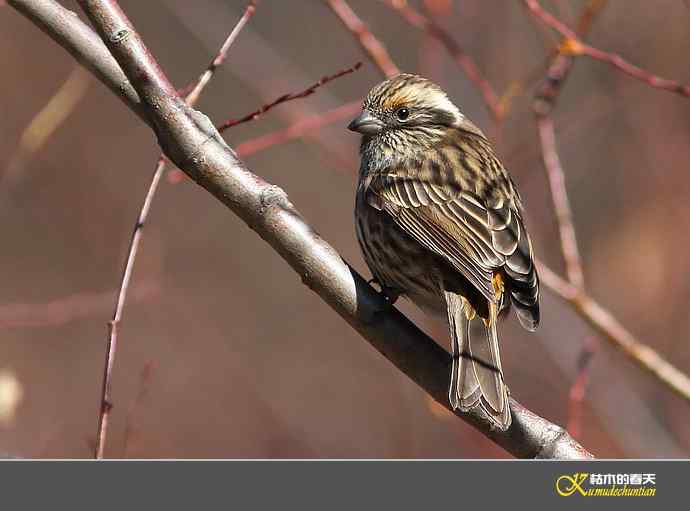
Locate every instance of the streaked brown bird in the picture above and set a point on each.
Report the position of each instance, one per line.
(440, 221)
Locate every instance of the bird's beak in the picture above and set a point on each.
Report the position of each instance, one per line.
(366, 124)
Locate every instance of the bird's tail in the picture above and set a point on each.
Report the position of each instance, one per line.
(476, 376)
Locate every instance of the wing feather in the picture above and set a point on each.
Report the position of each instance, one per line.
(476, 235)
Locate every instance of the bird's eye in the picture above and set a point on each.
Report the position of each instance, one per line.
(402, 113)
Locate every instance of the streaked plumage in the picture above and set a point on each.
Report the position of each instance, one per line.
(440, 221)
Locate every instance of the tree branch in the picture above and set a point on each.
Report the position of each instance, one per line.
(191, 98)
(559, 197)
(65, 28)
(578, 389)
(468, 65)
(287, 97)
(374, 48)
(543, 104)
(572, 45)
(612, 330)
(190, 141)
(574, 291)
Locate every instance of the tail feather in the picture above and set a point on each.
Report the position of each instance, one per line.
(476, 375)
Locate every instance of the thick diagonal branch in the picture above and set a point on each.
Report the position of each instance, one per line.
(191, 142)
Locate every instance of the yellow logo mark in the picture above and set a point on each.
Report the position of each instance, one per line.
(567, 485)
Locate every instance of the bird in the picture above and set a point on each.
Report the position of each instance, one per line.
(440, 222)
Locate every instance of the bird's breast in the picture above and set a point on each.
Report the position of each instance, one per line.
(396, 260)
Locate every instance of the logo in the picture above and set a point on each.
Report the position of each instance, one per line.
(606, 485)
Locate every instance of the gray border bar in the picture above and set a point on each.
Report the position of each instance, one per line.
(322, 485)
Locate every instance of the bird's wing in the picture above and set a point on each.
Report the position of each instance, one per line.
(476, 236)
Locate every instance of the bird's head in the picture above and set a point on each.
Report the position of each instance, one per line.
(406, 108)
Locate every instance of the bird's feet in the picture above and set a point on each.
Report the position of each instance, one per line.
(389, 294)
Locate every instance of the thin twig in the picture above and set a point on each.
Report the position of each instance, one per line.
(106, 400)
(287, 97)
(206, 76)
(468, 65)
(376, 50)
(573, 46)
(192, 97)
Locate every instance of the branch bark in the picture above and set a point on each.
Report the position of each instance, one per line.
(189, 139)
(137, 234)
(65, 28)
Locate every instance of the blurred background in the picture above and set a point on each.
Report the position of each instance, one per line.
(223, 352)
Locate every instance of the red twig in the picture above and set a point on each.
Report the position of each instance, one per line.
(288, 97)
(573, 46)
(632, 70)
(144, 385)
(377, 52)
(106, 400)
(468, 65)
(576, 396)
(592, 10)
(561, 203)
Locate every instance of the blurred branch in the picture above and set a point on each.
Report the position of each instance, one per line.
(561, 203)
(377, 52)
(573, 46)
(287, 97)
(613, 331)
(192, 97)
(190, 141)
(299, 128)
(56, 111)
(83, 44)
(576, 396)
(574, 290)
(66, 309)
(144, 386)
(468, 65)
(543, 104)
(591, 12)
